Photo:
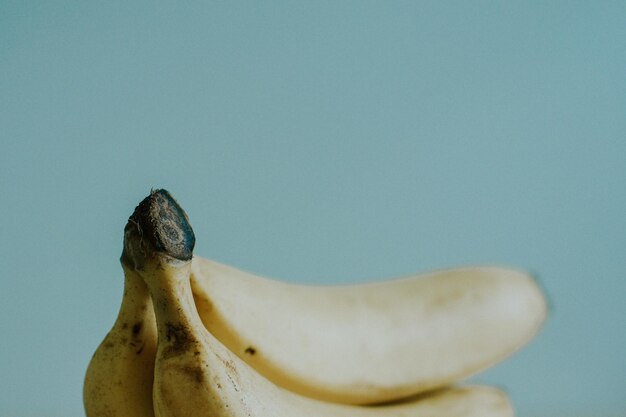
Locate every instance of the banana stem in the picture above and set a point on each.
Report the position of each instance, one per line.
(157, 226)
(158, 244)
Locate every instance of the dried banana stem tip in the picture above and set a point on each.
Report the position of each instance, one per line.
(158, 225)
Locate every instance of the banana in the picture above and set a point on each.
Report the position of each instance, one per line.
(196, 375)
(369, 343)
(118, 382)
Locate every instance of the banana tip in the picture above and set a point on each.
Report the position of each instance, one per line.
(158, 225)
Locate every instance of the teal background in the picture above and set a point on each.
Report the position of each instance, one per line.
(320, 142)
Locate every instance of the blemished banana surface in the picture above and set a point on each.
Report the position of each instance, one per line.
(369, 343)
(196, 375)
(118, 382)
(194, 337)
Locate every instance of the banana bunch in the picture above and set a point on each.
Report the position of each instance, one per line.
(195, 338)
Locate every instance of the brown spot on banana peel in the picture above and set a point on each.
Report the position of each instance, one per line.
(138, 352)
(231, 371)
(195, 372)
(179, 340)
(137, 328)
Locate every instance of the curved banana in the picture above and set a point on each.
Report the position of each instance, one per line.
(196, 375)
(119, 377)
(369, 343)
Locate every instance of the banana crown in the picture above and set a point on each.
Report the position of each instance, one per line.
(200, 338)
(158, 224)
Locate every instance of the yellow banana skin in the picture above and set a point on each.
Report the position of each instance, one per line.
(119, 378)
(190, 333)
(197, 376)
(369, 343)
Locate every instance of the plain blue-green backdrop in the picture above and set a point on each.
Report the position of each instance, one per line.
(320, 142)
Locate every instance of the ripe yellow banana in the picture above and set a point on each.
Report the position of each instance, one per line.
(369, 343)
(119, 376)
(196, 375)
